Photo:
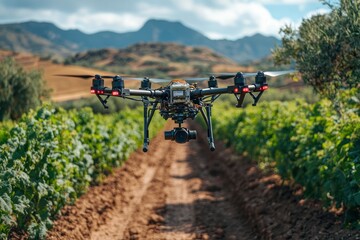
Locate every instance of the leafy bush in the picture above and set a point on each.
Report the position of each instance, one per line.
(307, 143)
(327, 58)
(114, 104)
(20, 91)
(51, 157)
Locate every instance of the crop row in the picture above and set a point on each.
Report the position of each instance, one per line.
(52, 156)
(309, 144)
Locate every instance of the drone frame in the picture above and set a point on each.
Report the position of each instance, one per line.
(197, 96)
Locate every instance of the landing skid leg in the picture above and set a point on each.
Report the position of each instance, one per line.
(207, 119)
(210, 130)
(146, 124)
(147, 119)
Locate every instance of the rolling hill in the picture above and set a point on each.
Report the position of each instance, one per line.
(156, 60)
(46, 39)
(159, 60)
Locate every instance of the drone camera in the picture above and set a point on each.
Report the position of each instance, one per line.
(180, 135)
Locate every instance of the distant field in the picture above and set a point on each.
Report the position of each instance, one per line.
(67, 88)
(63, 88)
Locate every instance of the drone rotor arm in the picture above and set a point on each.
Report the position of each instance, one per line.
(209, 91)
(134, 92)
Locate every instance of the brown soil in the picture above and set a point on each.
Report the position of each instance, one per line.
(184, 191)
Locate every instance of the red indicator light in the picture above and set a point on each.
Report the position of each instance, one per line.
(245, 90)
(92, 91)
(115, 93)
(263, 88)
(236, 90)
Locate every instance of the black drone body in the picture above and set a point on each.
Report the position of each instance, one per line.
(181, 99)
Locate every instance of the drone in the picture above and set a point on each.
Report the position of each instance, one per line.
(181, 99)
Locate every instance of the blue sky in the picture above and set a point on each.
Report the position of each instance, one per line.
(230, 19)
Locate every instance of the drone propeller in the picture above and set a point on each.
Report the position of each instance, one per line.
(195, 80)
(153, 80)
(84, 76)
(224, 76)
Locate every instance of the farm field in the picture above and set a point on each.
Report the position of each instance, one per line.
(186, 192)
(63, 88)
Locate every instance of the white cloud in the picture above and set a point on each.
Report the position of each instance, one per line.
(316, 12)
(101, 21)
(235, 19)
(287, 2)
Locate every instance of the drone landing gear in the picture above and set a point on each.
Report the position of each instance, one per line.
(240, 98)
(103, 101)
(207, 119)
(148, 115)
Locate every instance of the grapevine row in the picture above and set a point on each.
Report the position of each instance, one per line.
(309, 144)
(52, 156)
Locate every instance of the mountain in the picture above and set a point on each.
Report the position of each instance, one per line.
(47, 39)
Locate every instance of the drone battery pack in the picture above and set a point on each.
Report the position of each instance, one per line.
(179, 93)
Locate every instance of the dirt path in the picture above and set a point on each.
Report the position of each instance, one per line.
(167, 193)
(184, 191)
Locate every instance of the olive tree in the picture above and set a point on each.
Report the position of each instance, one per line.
(19, 90)
(326, 48)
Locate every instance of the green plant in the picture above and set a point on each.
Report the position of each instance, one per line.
(51, 157)
(309, 144)
(20, 91)
(327, 58)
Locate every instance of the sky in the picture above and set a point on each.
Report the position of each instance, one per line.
(217, 19)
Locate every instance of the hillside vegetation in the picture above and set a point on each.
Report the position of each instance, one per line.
(156, 60)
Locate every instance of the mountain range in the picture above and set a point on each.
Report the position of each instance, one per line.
(46, 39)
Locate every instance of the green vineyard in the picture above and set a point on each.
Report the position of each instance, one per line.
(309, 144)
(51, 156)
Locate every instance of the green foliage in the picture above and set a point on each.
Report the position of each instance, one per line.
(307, 143)
(326, 48)
(51, 157)
(20, 91)
(114, 104)
(5, 128)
